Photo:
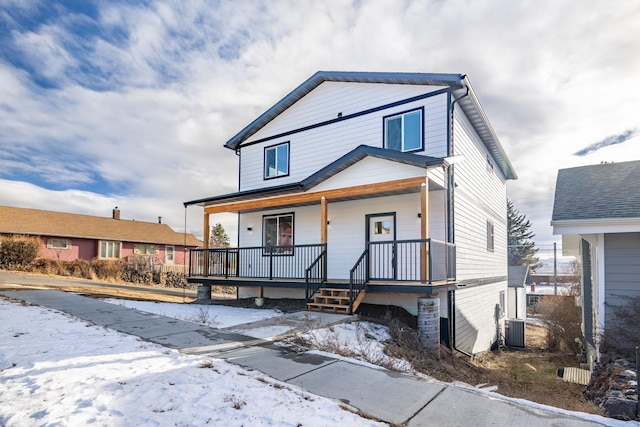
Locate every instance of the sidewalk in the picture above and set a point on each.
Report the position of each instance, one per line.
(389, 396)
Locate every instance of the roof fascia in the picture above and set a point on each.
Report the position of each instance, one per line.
(596, 226)
(450, 80)
(472, 108)
(326, 172)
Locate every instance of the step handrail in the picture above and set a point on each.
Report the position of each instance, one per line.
(358, 277)
(318, 281)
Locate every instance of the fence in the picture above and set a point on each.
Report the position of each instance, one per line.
(272, 262)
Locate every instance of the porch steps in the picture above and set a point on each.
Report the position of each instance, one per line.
(334, 301)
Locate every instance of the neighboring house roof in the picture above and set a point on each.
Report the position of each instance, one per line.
(461, 89)
(518, 276)
(609, 190)
(59, 224)
(327, 172)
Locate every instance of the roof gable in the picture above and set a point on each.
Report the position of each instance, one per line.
(15, 220)
(458, 83)
(327, 172)
(602, 191)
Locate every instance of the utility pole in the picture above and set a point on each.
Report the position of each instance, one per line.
(555, 270)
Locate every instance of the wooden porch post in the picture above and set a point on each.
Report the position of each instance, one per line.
(207, 231)
(205, 256)
(323, 220)
(424, 230)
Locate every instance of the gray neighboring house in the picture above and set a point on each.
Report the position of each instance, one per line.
(519, 277)
(597, 212)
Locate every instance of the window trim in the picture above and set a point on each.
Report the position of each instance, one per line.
(490, 236)
(136, 249)
(385, 119)
(50, 244)
(264, 160)
(114, 242)
(173, 254)
(266, 248)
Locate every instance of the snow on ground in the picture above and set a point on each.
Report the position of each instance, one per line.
(217, 316)
(58, 370)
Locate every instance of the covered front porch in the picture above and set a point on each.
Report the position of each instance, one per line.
(399, 266)
(372, 221)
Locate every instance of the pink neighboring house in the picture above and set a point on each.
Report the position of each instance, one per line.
(67, 236)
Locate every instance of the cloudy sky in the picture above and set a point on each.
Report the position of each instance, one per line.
(128, 103)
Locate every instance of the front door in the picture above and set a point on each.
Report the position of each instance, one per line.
(381, 235)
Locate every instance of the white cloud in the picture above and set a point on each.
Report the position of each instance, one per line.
(172, 81)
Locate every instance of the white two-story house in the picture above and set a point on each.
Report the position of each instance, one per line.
(380, 188)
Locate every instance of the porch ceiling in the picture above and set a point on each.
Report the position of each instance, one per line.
(389, 188)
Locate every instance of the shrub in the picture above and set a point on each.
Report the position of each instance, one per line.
(563, 319)
(79, 268)
(107, 269)
(18, 252)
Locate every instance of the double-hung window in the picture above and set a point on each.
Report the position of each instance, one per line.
(403, 131)
(278, 233)
(276, 161)
(109, 249)
(169, 254)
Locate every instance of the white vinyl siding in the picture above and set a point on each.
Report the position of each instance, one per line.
(311, 150)
(475, 317)
(330, 98)
(480, 196)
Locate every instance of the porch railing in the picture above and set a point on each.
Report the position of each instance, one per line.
(420, 260)
(272, 262)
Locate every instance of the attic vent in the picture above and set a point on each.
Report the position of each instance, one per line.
(116, 213)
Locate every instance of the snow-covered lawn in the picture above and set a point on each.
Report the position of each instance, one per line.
(217, 316)
(58, 370)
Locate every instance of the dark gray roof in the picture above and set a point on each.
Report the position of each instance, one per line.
(462, 91)
(610, 190)
(518, 276)
(326, 172)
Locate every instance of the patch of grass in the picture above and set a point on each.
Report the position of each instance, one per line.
(237, 402)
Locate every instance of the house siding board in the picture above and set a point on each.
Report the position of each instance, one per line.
(476, 324)
(330, 98)
(622, 270)
(313, 149)
(480, 195)
(368, 171)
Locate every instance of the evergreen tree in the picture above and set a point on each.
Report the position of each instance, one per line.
(219, 237)
(522, 251)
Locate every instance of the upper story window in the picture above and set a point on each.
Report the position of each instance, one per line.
(403, 132)
(276, 161)
(490, 236)
(109, 249)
